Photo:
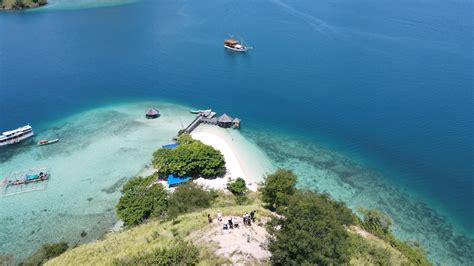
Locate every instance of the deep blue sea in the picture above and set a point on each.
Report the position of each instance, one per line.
(387, 84)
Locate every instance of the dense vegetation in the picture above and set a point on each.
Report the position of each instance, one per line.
(314, 229)
(278, 188)
(45, 253)
(20, 4)
(191, 158)
(141, 199)
(189, 197)
(182, 253)
(310, 229)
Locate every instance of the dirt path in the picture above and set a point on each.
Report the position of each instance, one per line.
(245, 245)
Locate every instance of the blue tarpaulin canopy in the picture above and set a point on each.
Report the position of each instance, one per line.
(175, 180)
(170, 146)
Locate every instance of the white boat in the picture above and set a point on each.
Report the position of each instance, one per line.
(16, 135)
(235, 45)
(200, 111)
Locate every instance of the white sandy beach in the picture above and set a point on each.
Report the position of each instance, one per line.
(243, 158)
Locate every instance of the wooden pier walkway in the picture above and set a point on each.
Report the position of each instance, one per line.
(207, 117)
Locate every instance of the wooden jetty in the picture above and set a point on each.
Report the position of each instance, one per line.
(208, 117)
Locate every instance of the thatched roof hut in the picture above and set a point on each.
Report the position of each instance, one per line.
(152, 113)
(224, 120)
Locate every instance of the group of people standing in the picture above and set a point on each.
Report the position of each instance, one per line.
(249, 218)
(232, 223)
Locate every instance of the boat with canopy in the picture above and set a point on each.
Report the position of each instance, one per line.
(25, 181)
(235, 45)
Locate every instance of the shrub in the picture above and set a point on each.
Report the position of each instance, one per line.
(45, 253)
(141, 199)
(183, 253)
(367, 252)
(191, 158)
(379, 224)
(238, 187)
(189, 197)
(278, 187)
(308, 232)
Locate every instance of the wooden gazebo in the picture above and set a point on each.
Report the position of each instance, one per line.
(224, 121)
(152, 113)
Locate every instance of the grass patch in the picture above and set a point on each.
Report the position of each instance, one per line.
(157, 234)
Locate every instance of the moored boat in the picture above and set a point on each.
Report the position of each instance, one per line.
(29, 178)
(199, 111)
(25, 181)
(16, 135)
(47, 142)
(234, 45)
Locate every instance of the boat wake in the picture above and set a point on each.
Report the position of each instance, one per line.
(315, 23)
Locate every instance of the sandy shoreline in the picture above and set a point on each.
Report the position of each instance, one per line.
(240, 156)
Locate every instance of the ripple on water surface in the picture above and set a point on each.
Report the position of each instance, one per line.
(98, 151)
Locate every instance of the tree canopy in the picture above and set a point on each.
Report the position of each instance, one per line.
(141, 198)
(237, 187)
(191, 158)
(278, 187)
(308, 232)
(189, 197)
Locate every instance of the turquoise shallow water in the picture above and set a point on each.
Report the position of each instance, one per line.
(99, 149)
(375, 96)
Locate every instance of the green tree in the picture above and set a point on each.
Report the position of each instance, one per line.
(237, 187)
(190, 158)
(45, 253)
(141, 199)
(189, 197)
(185, 139)
(308, 233)
(278, 187)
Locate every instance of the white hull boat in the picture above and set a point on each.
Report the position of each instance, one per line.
(16, 135)
(235, 45)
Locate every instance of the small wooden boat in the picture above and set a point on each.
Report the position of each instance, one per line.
(47, 142)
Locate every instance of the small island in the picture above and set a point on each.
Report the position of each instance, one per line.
(21, 4)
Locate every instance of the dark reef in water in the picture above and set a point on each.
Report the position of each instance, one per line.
(359, 186)
(116, 186)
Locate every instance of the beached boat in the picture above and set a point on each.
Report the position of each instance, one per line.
(47, 142)
(16, 135)
(234, 45)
